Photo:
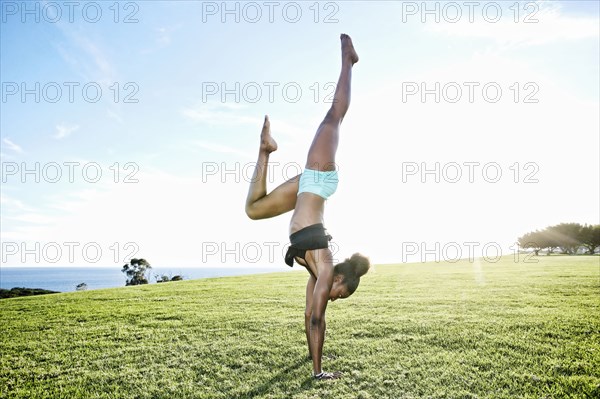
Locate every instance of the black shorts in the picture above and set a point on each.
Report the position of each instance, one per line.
(311, 237)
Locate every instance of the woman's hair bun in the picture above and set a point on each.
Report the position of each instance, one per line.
(360, 263)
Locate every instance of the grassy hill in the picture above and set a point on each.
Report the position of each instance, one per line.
(434, 330)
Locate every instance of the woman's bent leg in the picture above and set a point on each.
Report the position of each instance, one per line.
(259, 204)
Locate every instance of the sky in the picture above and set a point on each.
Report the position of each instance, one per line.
(131, 129)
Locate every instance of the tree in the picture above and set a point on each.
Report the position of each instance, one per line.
(22, 291)
(135, 271)
(590, 237)
(547, 240)
(566, 236)
(569, 237)
(164, 278)
(81, 287)
(531, 240)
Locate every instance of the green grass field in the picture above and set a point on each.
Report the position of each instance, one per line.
(434, 330)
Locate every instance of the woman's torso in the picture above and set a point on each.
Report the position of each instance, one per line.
(308, 211)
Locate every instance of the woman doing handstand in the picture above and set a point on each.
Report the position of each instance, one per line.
(306, 195)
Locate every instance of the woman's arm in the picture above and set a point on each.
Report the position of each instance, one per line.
(319, 304)
(310, 287)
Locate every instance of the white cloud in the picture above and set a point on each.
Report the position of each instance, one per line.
(10, 145)
(12, 204)
(220, 114)
(34, 218)
(167, 218)
(164, 37)
(100, 67)
(171, 220)
(373, 150)
(86, 56)
(113, 115)
(20, 221)
(229, 114)
(220, 148)
(63, 130)
(548, 25)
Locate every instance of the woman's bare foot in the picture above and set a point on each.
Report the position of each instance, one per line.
(348, 49)
(267, 143)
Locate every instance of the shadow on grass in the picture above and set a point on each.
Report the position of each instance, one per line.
(266, 386)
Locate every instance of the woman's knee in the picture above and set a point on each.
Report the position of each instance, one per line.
(252, 212)
(333, 118)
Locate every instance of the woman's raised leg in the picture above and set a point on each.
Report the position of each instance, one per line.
(321, 155)
(259, 204)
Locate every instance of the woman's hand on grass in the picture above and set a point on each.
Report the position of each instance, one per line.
(328, 376)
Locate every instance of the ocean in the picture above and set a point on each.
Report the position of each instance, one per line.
(65, 279)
